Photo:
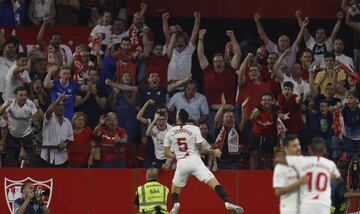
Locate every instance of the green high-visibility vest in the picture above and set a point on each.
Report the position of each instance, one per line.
(151, 195)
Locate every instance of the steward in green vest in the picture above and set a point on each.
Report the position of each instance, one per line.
(151, 198)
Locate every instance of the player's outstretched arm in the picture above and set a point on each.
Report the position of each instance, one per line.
(169, 153)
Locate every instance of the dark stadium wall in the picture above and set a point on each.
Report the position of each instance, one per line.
(238, 8)
(96, 191)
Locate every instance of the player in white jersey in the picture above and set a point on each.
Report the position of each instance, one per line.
(157, 131)
(315, 197)
(186, 142)
(285, 179)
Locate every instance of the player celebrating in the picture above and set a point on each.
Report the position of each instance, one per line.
(315, 197)
(186, 142)
(285, 178)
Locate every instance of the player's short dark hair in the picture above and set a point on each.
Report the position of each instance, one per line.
(288, 138)
(183, 115)
(318, 145)
(21, 88)
(329, 55)
(289, 84)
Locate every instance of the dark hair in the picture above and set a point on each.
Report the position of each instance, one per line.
(191, 82)
(126, 39)
(268, 94)
(183, 115)
(55, 34)
(162, 107)
(21, 88)
(12, 40)
(162, 114)
(329, 55)
(288, 138)
(324, 101)
(21, 55)
(203, 123)
(318, 145)
(288, 84)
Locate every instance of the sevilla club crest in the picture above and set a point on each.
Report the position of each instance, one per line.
(12, 189)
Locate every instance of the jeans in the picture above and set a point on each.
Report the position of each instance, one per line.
(13, 146)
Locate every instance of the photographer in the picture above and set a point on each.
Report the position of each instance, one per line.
(30, 202)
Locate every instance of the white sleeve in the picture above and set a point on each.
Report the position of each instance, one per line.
(32, 107)
(70, 132)
(329, 44)
(271, 47)
(94, 31)
(310, 44)
(171, 104)
(167, 141)
(278, 177)
(199, 138)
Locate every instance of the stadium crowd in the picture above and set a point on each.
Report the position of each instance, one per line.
(111, 104)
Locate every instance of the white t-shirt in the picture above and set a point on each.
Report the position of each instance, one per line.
(158, 139)
(104, 31)
(116, 39)
(180, 63)
(319, 49)
(12, 82)
(319, 171)
(5, 65)
(20, 118)
(284, 176)
(183, 140)
(53, 134)
(297, 86)
(343, 59)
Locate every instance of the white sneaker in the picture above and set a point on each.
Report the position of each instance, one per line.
(175, 208)
(234, 208)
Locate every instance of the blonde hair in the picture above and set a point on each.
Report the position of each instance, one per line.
(77, 115)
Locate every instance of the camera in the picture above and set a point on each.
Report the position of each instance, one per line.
(38, 194)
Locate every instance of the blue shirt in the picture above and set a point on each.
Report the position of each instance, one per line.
(7, 16)
(70, 91)
(32, 208)
(157, 94)
(351, 122)
(107, 72)
(322, 125)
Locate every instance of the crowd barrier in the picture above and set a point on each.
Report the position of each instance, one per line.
(97, 191)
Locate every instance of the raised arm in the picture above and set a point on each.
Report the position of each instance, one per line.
(244, 116)
(235, 61)
(277, 71)
(171, 46)
(121, 86)
(5, 106)
(219, 113)
(298, 15)
(140, 114)
(176, 84)
(165, 27)
(152, 124)
(336, 29)
(97, 129)
(50, 73)
(242, 69)
(200, 50)
(350, 22)
(40, 36)
(195, 29)
(145, 53)
(303, 28)
(260, 29)
(53, 105)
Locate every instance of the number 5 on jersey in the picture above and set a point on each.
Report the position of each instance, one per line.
(182, 145)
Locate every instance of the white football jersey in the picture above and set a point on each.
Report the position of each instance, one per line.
(284, 176)
(183, 139)
(158, 139)
(319, 170)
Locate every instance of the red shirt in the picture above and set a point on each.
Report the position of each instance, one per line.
(108, 150)
(267, 77)
(305, 74)
(79, 150)
(126, 64)
(159, 65)
(254, 92)
(217, 83)
(265, 123)
(295, 123)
